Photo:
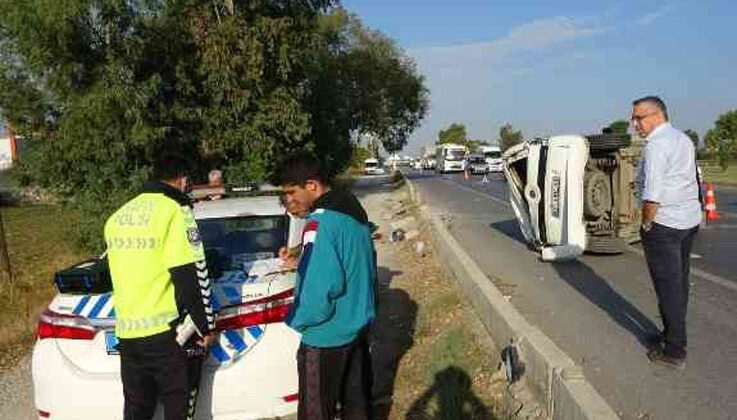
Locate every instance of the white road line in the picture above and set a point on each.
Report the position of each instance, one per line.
(469, 189)
(698, 273)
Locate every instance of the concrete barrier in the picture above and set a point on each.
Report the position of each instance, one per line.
(548, 371)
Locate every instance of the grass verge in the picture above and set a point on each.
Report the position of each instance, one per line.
(712, 172)
(443, 370)
(37, 246)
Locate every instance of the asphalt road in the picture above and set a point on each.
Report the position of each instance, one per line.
(599, 309)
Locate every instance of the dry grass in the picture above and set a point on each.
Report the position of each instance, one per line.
(712, 172)
(37, 246)
(443, 369)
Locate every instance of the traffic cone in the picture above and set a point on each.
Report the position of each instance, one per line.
(467, 175)
(710, 203)
(486, 179)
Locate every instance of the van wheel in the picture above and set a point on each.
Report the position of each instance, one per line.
(608, 142)
(597, 193)
(605, 245)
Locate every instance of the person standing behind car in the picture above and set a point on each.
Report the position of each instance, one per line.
(335, 295)
(671, 214)
(160, 281)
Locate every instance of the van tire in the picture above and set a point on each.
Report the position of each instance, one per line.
(605, 245)
(597, 193)
(608, 142)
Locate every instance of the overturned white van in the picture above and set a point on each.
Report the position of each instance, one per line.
(572, 194)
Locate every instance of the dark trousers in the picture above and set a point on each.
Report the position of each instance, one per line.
(335, 374)
(667, 251)
(156, 368)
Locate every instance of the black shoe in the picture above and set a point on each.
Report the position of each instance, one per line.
(659, 357)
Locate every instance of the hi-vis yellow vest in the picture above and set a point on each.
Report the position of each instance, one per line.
(145, 238)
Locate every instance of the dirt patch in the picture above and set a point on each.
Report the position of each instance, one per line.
(432, 357)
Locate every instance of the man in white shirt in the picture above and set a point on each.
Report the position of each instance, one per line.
(671, 213)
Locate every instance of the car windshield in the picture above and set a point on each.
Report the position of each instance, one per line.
(477, 159)
(371, 164)
(493, 155)
(230, 242)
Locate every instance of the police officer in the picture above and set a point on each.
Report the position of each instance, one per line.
(161, 295)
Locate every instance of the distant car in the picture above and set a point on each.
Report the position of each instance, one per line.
(572, 194)
(417, 164)
(371, 167)
(250, 373)
(477, 164)
(493, 156)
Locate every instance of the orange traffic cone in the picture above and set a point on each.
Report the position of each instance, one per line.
(710, 203)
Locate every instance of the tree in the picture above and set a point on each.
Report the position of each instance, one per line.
(619, 127)
(722, 139)
(694, 136)
(508, 136)
(473, 145)
(361, 83)
(455, 133)
(102, 87)
(359, 155)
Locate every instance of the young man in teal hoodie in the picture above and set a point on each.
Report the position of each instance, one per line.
(335, 296)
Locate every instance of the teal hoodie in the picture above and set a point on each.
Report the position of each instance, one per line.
(335, 296)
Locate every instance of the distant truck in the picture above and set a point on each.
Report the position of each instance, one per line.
(493, 156)
(371, 167)
(572, 194)
(450, 158)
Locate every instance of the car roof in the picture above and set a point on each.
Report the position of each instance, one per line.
(239, 206)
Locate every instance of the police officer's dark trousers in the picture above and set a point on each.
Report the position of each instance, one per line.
(156, 368)
(668, 251)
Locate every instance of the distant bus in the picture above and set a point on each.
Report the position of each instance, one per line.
(450, 158)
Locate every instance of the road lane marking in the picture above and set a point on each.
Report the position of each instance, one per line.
(469, 189)
(698, 273)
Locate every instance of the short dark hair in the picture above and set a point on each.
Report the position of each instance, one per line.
(654, 101)
(298, 168)
(170, 165)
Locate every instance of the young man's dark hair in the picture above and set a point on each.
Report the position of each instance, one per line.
(299, 168)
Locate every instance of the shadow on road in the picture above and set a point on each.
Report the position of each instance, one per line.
(511, 229)
(455, 399)
(391, 337)
(595, 288)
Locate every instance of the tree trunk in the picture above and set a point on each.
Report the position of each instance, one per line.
(6, 274)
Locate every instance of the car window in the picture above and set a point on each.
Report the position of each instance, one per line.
(230, 242)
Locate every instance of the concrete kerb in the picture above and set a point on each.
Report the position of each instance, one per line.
(548, 371)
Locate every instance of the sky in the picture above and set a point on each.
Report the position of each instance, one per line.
(564, 66)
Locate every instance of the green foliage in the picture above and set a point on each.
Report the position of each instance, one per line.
(619, 127)
(508, 136)
(722, 139)
(694, 136)
(103, 87)
(473, 145)
(363, 83)
(359, 155)
(455, 134)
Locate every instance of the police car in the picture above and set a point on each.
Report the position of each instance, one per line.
(250, 373)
